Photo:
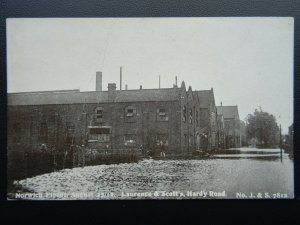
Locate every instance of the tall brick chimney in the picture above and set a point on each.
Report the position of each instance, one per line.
(98, 81)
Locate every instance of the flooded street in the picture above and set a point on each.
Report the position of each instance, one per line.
(246, 173)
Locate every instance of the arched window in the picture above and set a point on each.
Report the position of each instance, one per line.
(191, 116)
(184, 113)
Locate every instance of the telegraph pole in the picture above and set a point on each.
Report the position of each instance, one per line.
(280, 141)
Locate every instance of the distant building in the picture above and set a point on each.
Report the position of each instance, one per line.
(291, 129)
(221, 132)
(289, 138)
(243, 134)
(208, 119)
(231, 125)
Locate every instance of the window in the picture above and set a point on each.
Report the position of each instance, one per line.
(70, 129)
(162, 115)
(162, 140)
(184, 113)
(130, 114)
(70, 132)
(99, 115)
(130, 139)
(99, 133)
(130, 111)
(197, 118)
(191, 116)
(99, 130)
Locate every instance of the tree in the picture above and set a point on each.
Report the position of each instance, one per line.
(262, 126)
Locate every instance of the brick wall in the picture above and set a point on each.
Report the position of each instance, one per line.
(26, 124)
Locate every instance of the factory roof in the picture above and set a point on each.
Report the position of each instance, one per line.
(76, 97)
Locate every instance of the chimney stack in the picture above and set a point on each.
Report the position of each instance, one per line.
(141, 87)
(121, 78)
(111, 87)
(98, 81)
(175, 85)
(126, 87)
(112, 91)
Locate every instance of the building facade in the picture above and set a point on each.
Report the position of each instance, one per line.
(166, 119)
(208, 119)
(232, 124)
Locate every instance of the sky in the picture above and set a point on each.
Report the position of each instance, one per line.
(248, 61)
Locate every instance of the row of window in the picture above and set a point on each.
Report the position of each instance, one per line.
(130, 114)
(102, 134)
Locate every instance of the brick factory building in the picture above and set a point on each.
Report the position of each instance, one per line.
(167, 118)
(52, 130)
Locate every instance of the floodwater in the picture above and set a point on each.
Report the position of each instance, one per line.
(246, 173)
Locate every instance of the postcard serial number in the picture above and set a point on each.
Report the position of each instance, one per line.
(265, 195)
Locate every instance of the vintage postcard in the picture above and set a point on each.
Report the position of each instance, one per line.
(150, 108)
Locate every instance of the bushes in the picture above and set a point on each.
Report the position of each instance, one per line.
(118, 156)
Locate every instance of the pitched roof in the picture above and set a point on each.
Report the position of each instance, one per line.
(205, 97)
(165, 94)
(228, 112)
(73, 97)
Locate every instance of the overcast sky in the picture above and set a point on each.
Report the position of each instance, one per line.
(247, 61)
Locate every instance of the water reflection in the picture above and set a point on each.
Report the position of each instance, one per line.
(253, 153)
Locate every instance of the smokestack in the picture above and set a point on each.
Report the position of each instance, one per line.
(141, 87)
(126, 87)
(175, 85)
(121, 78)
(98, 81)
(159, 82)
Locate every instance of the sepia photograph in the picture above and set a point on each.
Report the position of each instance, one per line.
(150, 108)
